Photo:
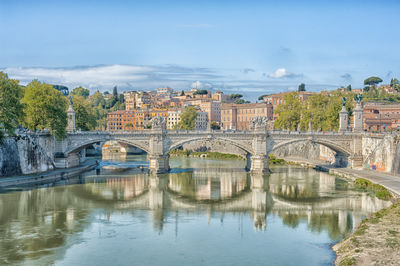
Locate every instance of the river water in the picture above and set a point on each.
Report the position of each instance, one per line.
(205, 212)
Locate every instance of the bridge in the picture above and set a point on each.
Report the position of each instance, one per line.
(257, 143)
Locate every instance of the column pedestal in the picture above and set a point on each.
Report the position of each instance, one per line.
(358, 119)
(343, 119)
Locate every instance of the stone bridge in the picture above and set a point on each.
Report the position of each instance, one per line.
(257, 143)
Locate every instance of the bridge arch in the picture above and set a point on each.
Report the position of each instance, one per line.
(196, 139)
(75, 147)
(331, 145)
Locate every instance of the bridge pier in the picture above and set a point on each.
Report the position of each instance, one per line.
(158, 163)
(71, 160)
(259, 164)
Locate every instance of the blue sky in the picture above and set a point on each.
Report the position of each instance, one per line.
(246, 46)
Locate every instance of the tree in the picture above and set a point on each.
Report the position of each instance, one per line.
(372, 81)
(394, 83)
(200, 92)
(81, 92)
(182, 93)
(302, 87)
(214, 125)
(121, 98)
(188, 119)
(235, 96)
(348, 87)
(240, 101)
(85, 114)
(261, 98)
(106, 93)
(115, 91)
(289, 112)
(45, 107)
(11, 109)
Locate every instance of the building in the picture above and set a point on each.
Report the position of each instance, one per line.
(213, 109)
(130, 100)
(278, 98)
(164, 91)
(201, 121)
(121, 120)
(174, 117)
(381, 117)
(238, 116)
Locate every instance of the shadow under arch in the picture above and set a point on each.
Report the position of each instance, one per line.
(80, 146)
(198, 139)
(341, 154)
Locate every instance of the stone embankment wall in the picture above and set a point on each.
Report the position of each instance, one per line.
(26, 155)
(379, 153)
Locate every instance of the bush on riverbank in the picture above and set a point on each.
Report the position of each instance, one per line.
(380, 191)
(274, 160)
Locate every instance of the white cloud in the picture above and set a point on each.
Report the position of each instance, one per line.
(201, 85)
(282, 73)
(105, 77)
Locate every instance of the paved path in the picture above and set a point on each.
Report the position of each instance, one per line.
(391, 182)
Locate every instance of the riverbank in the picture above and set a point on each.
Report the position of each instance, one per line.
(46, 177)
(377, 240)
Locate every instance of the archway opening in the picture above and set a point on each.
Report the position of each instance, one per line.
(314, 151)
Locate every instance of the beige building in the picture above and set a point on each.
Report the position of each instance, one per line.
(213, 109)
(238, 116)
(174, 117)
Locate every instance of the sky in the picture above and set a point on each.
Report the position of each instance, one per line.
(251, 47)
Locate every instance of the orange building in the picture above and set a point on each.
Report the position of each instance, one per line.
(121, 120)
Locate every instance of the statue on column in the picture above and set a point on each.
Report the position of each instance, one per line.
(358, 98)
(259, 122)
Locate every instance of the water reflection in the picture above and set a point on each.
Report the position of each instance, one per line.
(39, 223)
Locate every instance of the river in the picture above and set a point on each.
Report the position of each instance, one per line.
(205, 212)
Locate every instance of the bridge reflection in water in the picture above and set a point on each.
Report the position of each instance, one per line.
(295, 194)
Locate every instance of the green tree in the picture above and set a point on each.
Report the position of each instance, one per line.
(81, 92)
(348, 87)
(214, 125)
(235, 96)
(261, 98)
(45, 107)
(372, 81)
(11, 109)
(302, 87)
(115, 91)
(289, 112)
(182, 93)
(121, 98)
(188, 118)
(200, 92)
(395, 84)
(85, 114)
